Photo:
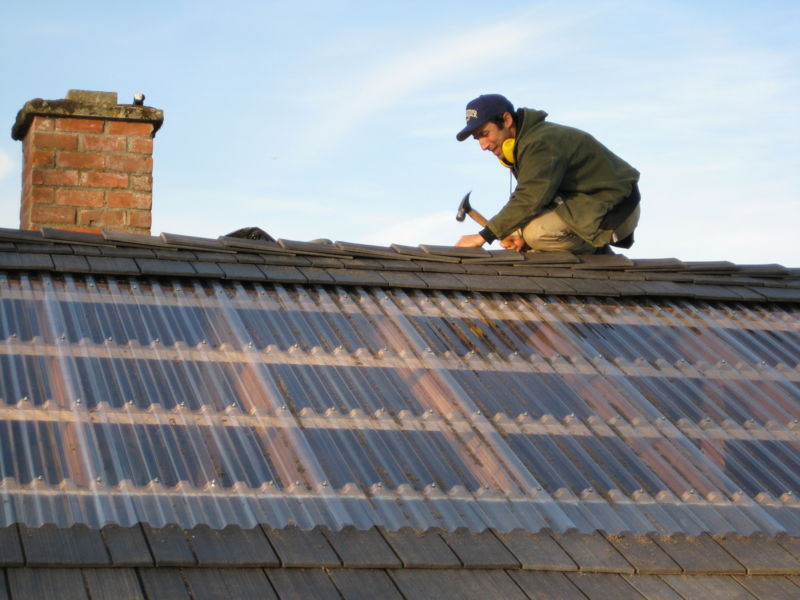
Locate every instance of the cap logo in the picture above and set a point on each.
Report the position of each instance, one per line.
(472, 114)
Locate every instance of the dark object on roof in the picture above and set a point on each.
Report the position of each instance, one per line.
(252, 233)
(182, 415)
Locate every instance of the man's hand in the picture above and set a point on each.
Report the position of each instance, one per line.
(513, 242)
(471, 241)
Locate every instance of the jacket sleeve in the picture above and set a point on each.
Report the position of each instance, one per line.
(540, 169)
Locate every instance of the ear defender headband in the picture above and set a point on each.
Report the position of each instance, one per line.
(507, 150)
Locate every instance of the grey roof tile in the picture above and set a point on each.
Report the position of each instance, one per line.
(593, 553)
(73, 237)
(385, 265)
(172, 254)
(551, 258)
(32, 262)
(716, 587)
(315, 275)
(438, 267)
(163, 584)
(699, 554)
(365, 548)
(604, 586)
(127, 252)
(553, 285)
(133, 239)
(441, 281)
(289, 261)
(113, 266)
(169, 546)
(242, 257)
(664, 288)
(760, 555)
(364, 584)
(38, 584)
(301, 584)
(537, 551)
(657, 264)
(298, 548)
(327, 262)
(260, 246)
(240, 271)
(777, 294)
(399, 279)
(230, 257)
(457, 584)
(44, 248)
(644, 554)
(652, 587)
(421, 549)
(10, 547)
(86, 250)
(69, 263)
(369, 250)
(604, 262)
(770, 588)
(231, 546)
(546, 585)
(190, 241)
(315, 248)
(480, 550)
(716, 266)
(113, 584)
(283, 274)
(207, 269)
(506, 283)
(215, 584)
(51, 546)
(414, 252)
(165, 267)
(127, 546)
(455, 251)
(356, 277)
(20, 235)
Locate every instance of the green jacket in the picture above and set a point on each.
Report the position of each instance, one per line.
(553, 160)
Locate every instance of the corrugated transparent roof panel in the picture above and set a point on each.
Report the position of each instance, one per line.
(127, 400)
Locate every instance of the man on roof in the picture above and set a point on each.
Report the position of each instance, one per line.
(573, 194)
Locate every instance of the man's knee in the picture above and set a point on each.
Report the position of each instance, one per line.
(549, 233)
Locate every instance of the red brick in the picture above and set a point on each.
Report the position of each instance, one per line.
(141, 183)
(41, 123)
(80, 197)
(140, 145)
(140, 218)
(102, 143)
(129, 200)
(59, 141)
(80, 125)
(42, 195)
(80, 160)
(104, 180)
(52, 214)
(55, 177)
(129, 164)
(45, 158)
(129, 128)
(101, 217)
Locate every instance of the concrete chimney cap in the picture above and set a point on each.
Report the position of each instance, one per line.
(84, 104)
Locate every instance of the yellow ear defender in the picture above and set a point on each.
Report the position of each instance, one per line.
(507, 151)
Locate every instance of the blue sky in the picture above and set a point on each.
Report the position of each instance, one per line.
(337, 119)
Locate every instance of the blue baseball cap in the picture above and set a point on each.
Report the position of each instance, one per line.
(482, 110)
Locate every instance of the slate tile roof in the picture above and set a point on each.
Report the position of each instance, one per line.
(185, 417)
(140, 562)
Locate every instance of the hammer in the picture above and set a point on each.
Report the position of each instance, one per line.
(465, 209)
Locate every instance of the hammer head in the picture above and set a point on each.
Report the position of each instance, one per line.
(463, 208)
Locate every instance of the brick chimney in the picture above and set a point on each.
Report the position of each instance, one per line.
(87, 163)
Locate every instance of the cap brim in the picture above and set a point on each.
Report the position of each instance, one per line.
(468, 131)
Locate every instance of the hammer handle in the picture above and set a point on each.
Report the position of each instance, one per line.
(478, 217)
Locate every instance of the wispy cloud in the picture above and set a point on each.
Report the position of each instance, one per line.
(388, 84)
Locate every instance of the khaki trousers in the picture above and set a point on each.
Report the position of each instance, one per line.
(549, 233)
